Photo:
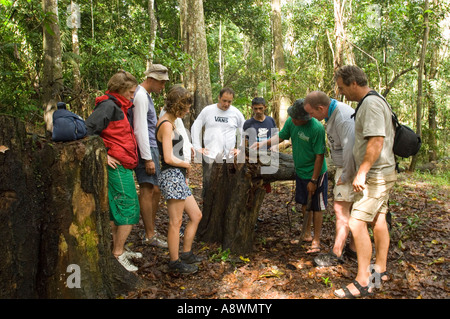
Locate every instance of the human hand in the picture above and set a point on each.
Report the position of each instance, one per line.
(359, 183)
(113, 162)
(150, 168)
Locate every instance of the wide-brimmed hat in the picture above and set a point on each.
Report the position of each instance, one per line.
(158, 72)
(297, 111)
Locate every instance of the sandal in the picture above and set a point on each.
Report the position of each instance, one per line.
(363, 291)
(385, 273)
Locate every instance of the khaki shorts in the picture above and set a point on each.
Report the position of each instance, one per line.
(374, 198)
(344, 192)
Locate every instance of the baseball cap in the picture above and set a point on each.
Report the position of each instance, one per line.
(297, 111)
(158, 72)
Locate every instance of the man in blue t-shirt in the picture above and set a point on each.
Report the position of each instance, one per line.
(260, 127)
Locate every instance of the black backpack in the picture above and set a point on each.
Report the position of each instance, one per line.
(406, 142)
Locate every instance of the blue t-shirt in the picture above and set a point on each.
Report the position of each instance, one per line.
(257, 131)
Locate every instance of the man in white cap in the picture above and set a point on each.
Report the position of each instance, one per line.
(144, 120)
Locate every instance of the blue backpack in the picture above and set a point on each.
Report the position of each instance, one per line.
(67, 126)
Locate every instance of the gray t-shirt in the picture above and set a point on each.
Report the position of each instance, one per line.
(341, 138)
(374, 118)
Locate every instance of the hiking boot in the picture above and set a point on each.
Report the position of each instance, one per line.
(123, 260)
(328, 259)
(180, 267)
(190, 258)
(131, 254)
(156, 241)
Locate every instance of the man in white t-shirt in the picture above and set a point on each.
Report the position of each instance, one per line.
(222, 137)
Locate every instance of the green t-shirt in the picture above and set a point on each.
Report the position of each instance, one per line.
(307, 141)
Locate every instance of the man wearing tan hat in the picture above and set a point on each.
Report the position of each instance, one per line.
(144, 120)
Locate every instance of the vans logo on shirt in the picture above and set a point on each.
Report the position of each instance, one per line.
(221, 119)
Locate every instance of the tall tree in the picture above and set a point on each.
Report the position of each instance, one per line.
(280, 101)
(197, 76)
(343, 52)
(74, 23)
(52, 78)
(420, 79)
(153, 27)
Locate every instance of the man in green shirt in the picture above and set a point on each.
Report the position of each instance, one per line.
(308, 148)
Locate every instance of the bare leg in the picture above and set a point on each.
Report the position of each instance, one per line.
(195, 215)
(342, 210)
(175, 208)
(120, 235)
(148, 201)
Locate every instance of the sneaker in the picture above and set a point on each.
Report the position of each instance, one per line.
(328, 259)
(180, 267)
(155, 241)
(190, 258)
(123, 260)
(131, 254)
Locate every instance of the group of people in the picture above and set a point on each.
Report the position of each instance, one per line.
(159, 152)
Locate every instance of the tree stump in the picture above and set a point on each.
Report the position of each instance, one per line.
(54, 219)
(234, 198)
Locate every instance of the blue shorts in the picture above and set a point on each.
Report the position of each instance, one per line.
(320, 197)
(141, 174)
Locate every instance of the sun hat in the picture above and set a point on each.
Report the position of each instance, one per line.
(158, 72)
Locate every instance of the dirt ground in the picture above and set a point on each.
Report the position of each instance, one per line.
(280, 268)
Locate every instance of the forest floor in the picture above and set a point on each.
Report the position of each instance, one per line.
(280, 268)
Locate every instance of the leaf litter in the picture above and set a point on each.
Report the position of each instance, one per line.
(280, 268)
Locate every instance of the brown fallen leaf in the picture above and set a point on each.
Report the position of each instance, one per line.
(3, 148)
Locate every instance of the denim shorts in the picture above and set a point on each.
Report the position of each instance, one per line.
(141, 174)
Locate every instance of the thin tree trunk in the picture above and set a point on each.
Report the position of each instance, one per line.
(76, 104)
(52, 80)
(420, 81)
(280, 101)
(153, 27)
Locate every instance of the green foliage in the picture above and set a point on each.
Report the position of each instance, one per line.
(385, 37)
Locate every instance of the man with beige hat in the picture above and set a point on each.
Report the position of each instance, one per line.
(144, 120)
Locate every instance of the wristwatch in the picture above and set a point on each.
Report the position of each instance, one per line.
(314, 181)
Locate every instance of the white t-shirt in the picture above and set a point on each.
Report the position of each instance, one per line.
(221, 129)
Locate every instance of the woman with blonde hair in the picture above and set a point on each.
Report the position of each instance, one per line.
(109, 120)
(173, 182)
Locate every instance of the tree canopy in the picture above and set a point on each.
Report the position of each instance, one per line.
(384, 38)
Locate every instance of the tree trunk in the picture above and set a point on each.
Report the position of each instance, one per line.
(197, 77)
(77, 105)
(153, 27)
(52, 79)
(54, 220)
(280, 101)
(426, 31)
(229, 217)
